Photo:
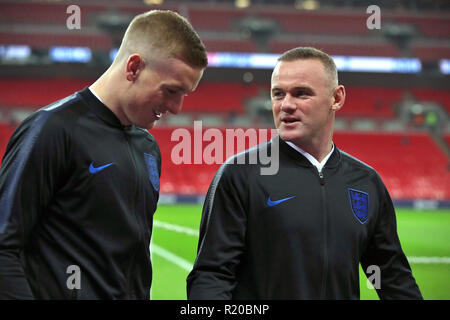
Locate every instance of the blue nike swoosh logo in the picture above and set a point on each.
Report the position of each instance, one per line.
(271, 203)
(94, 170)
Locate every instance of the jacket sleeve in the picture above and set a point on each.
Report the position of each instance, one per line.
(29, 174)
(384, 251)
(222, 239)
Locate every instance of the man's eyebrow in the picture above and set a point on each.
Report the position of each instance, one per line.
(302, 88)
(275, 88)
(294, 88)
(179, 88)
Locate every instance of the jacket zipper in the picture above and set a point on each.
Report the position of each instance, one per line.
(130, 268)
(325, 236)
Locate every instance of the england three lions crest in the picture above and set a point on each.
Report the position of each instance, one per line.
(359, 202)
(152, 168)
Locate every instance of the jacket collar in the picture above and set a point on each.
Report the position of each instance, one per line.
(286, 149)
(101, 110)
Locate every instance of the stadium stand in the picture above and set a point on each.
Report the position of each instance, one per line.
(440, 96)
(420, 171)
(46, 40)
(370, 102)
(432, 26)
(6, 131)
(230, 45)
(411, 164)
(362, 101)
(447, 139)
(340, 48)
(32, 18)
(36, 93)
(409, 159)
(431, 52)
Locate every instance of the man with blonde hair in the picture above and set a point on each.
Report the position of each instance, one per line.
(79, 181)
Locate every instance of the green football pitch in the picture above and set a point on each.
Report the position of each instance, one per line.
(425, 238)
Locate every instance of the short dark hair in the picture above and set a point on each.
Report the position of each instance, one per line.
(301, 53)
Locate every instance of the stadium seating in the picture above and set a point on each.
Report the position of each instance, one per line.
(227, 45)
(188, 178)
(429, 25)
(411, 164)
(433, 95)
(420, 171)
(373, 102)
(219, 97)
(43, 24)
(6, 131)
(431, 52)
(46, 40)
(215, 97)
(214, 18)
(340, 48)
(36, 13)
(320, 22)
(37, 93)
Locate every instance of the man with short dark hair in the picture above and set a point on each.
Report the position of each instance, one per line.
(302, 232)
(79, 181)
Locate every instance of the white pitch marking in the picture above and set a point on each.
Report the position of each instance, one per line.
(176, 228)
(193, 232)
(429, 260)
(166, 254)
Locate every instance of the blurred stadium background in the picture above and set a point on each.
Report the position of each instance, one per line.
(395, 117)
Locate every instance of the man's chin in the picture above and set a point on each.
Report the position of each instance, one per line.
(147, 126)
(288, 135)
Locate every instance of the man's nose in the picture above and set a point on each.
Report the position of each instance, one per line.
(175, 106)
(288, 105)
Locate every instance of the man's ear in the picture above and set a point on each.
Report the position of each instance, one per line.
(134, 66)
(338, 98)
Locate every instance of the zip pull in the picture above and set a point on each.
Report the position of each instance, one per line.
(322, 179)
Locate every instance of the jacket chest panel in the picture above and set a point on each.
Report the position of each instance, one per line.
(294, 205)
(109, 178)
(109, 167)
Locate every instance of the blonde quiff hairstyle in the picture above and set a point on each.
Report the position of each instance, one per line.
(164, 32)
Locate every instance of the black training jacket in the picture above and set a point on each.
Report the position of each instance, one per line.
(297, 234)
(77, 195)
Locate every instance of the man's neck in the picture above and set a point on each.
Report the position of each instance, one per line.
(106, 94)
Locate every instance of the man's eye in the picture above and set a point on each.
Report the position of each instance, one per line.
(278, 94)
